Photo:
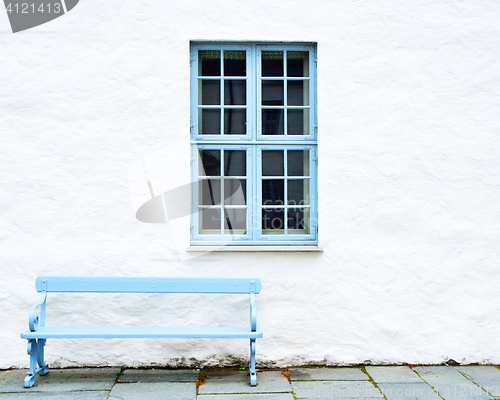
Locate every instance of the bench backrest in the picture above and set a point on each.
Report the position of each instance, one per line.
(147, 285)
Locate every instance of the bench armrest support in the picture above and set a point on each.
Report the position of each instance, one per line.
(253, 313)
(34, 321)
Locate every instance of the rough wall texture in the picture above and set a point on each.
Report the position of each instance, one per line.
(94, 104)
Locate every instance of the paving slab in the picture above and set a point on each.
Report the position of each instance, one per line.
(153, 391)
(56, 396)
(254, 396)
(327, 374)
(158, 375)
(461, 392)
(61, 380)
(335, 390)
(397, 391)
(393, 374)
(450, 383)
(439, 374)
(12, 381)
(225, 382)
(487, 377)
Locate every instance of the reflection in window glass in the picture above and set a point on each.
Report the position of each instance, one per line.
(209, 63)
(210, 92)
(235, 192)
(273, 121)
(235, 218)
(210, 162)
(298, 122)
(273, 192)
(297, 63)
(209, 123)
(298, 221)
(272, 93)
(298, 192)
(235, 63)
(210, 190)
(235, 163)
(272, 63)
(235, 121)
(298, 93)
(298, 163)
(235, 92)
(273, 220)
(210, 220)
(273, 162)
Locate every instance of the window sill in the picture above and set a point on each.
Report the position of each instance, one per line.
(262, 249)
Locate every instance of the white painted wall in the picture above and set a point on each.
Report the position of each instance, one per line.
(96, 102)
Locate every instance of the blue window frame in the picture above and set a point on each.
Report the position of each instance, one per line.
(253, 143)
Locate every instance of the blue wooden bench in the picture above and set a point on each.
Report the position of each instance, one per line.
(38, 333)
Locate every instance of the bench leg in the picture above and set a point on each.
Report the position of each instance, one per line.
(36, 353)
(253, 374)
(44, 367)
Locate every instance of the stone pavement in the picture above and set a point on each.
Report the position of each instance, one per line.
(370, 382)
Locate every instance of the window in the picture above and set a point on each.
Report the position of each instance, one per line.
(254, 143)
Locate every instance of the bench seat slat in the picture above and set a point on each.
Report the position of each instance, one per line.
(70, 332)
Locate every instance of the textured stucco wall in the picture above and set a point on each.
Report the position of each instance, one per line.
(95, 103)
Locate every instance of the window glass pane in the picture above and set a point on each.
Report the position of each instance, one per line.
(297, 63)
(209, 192)
(297, 122)
(209, 62)
(235, 219)
(273, 121)
(235, 192)
(298, 93)
(235, 92)
(272, 163)
(273, 192)
(298, 221)
(235, 163)
(210, 219)
(273, 221)
(210, 92)
(298, 163)
(210, 163)
(209, 123)
(273, 93)
(272, 63)
(235, 122)
(235, 63)
(298, 192)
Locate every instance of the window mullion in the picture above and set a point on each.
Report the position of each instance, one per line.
(258, 194)
(258, 93)
(194, 192)
(285, 193)
(254, 198)
(222, 192)
(251, 192)
(285, 97)
(222, 100)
